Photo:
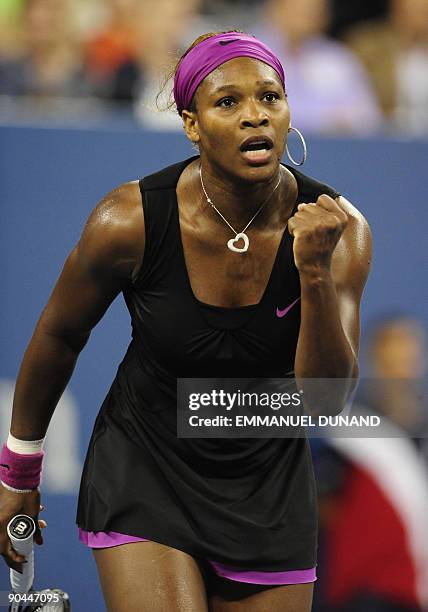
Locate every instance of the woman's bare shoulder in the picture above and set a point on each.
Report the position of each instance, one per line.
(113, 237)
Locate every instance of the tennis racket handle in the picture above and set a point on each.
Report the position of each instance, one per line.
(21, 530)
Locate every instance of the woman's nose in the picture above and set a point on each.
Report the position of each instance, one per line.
(253, 116)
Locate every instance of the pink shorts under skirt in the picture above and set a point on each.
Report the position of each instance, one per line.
(106, 539)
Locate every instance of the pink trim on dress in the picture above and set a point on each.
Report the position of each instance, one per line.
(288, 577)
(107, 539)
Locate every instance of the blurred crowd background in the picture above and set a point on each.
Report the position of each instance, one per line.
(373, 492)
(358, 67)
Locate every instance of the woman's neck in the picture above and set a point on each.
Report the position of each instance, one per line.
(238, 201)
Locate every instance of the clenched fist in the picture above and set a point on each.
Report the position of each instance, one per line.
(316, 229)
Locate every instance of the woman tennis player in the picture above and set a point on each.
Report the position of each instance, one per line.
(232, 265)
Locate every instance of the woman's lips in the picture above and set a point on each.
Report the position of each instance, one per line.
(259, 156)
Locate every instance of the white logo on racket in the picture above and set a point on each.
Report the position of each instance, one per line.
(21, 527)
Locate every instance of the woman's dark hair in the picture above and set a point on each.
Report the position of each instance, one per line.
(171, 72)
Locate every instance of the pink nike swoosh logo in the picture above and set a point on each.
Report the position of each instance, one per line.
(282, 313)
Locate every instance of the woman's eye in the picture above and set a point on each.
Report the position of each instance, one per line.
(271, 97)
(226, 102)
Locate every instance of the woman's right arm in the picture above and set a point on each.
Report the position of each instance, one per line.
(106, 259)
(107, 256)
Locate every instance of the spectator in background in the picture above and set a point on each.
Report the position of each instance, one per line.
(110, 55)
(374, 491)
(395, 52)
(327, 86)
(128, 61)
(49, 64)
(165, 28)
(351, 12)
(398, 362)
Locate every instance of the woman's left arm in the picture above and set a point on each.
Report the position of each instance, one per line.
(332, 251)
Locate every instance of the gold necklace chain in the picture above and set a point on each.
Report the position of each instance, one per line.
(238, 235)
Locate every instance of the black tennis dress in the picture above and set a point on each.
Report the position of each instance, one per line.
(249, 503)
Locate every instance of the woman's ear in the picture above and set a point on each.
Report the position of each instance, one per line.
(190, 125)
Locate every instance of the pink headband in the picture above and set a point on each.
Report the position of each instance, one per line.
(211, 53)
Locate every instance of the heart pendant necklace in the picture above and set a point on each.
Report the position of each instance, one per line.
(232, 243)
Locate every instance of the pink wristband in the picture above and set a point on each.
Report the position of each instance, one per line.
(20, 471)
